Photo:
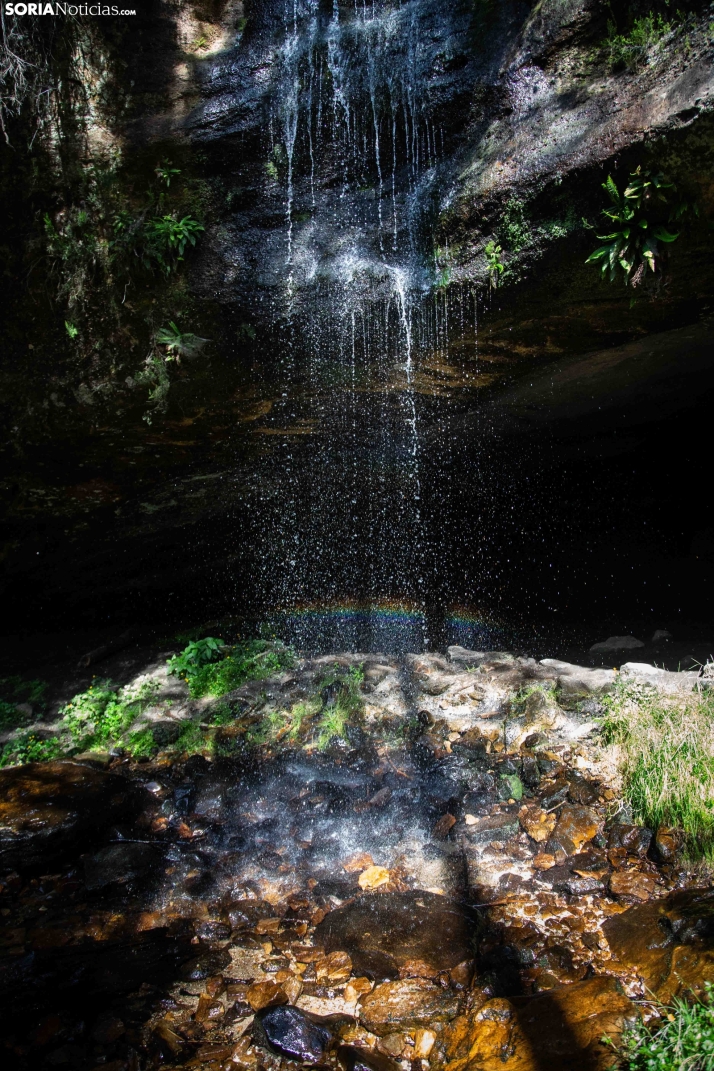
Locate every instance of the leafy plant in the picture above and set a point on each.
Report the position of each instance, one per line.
(639, 214)
(166, 239)
(495, 266)
(30, 748)
(630, 49)
(71, 330)
(514, 229)
(196, 654)
(142, 744)
(179, 343)
(165, 172)
(342, 702)
(101, 716)
(682, 1039)
(249, 660)
(155, 376)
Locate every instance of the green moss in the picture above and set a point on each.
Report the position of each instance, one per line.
(101, 716)
(344, 705)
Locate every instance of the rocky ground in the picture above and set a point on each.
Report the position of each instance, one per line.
(447, 879)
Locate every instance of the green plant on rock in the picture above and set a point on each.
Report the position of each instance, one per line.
(166, 238)
(494, 264)
(342, 703)
(179, 343)
(627, 50)
(155, 376)
(682, 1039)
(514, 229)
(639, 215)
(29, 747)
(245, 661)
(197, 653)
(102, 715)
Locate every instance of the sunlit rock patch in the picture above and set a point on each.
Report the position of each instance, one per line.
(429, 866)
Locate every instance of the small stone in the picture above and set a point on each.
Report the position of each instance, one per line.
(423, 1043)
(208, 1009)
(443, 826)
(290, 1032)
(265, 995)
(335, 967)
(290, 983)
(537, 824)
(352, 1058)
(543, 861)
(470, 819)
(392, 1045)
(268, 926)
(632, 883)
(373, 877)
(667, 842)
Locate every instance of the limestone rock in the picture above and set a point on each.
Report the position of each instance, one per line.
(408, 1002)
(660, 679)
(579, 681)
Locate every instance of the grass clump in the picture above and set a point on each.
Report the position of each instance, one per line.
(341, 703)
(683, 1039)
(211, 667)
(665, 749)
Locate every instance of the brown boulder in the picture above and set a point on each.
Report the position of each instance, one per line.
(669, 942)
(386, 931)
(561, 1029)
(575, 827)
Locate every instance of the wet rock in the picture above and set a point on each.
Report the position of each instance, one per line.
(493, 827)
(333, 968)
(668, 843)
(582, 791)
(406, 1003)
(634, 839)
(352, 1058)
(205, 965)
(560, 1029)
(443, 826)
(47, 808)
(537, 823)
(292, 1033)
(265, 995)
(530, 771)
(543, 861)
(118, 864)
(386, 930)
(373, 877)
(617, 643)
(669, 942)
(632, 883)
(575, 827)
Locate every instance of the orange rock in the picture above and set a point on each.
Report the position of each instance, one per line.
(268, 926)
(358, 863)
(208, 1009)
(543, 861)
(560, 1030)
(537, 824)
(423, 1043)
(405, 1003)
(265, 995)
(442, 827)
(373, 877)
(337, 967)
(632, 883)
(575, 827)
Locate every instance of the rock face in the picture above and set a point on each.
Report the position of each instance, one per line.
(46, 808)
(668, 943)
(559, 1030)
(386, 931)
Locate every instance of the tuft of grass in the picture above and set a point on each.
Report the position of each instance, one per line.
(342, 704)
(229, 667)
(666, 756)
(141, 744)
(682, 1040)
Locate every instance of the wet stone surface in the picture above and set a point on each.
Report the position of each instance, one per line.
(432, 898)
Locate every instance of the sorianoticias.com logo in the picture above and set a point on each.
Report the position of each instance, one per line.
(65, 9)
